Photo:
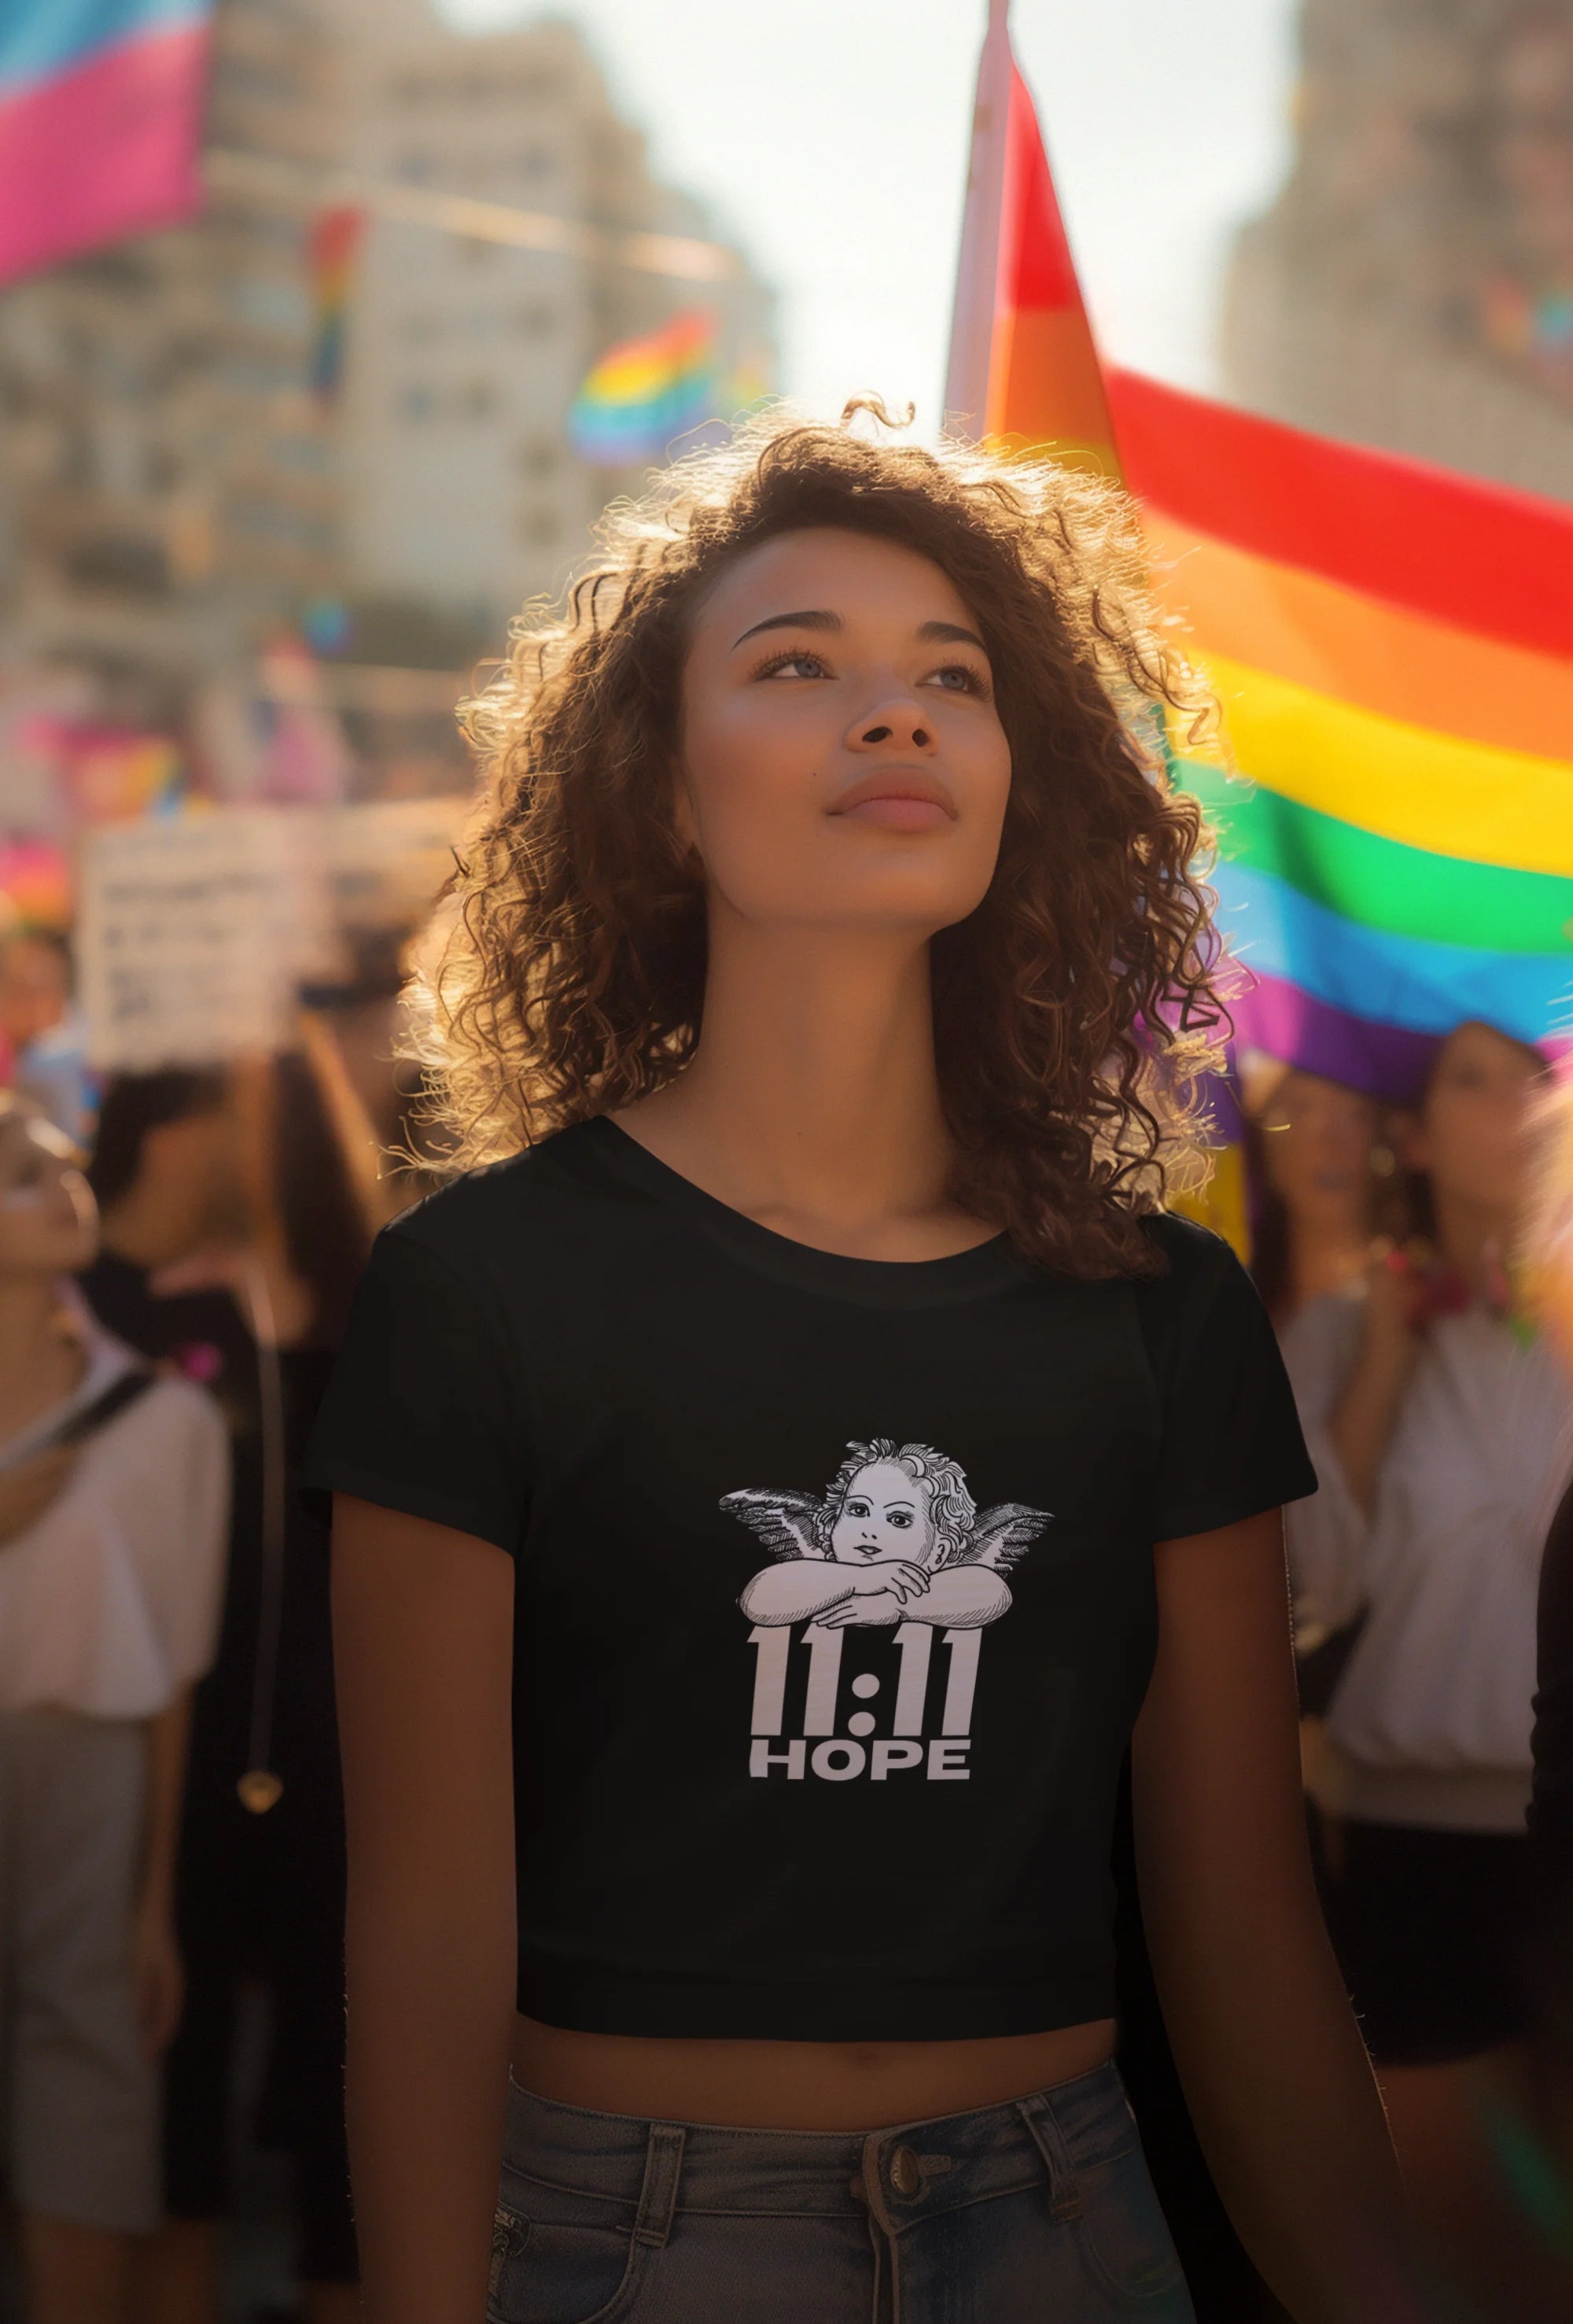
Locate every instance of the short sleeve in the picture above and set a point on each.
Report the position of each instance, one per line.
(1231, 1445)
(423, 1412)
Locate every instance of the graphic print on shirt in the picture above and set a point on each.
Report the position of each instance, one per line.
(897, 1543)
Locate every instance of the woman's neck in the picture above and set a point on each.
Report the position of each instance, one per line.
(812, 1102)
(1320, 1262)
(1473, 1238)
(40, 1364)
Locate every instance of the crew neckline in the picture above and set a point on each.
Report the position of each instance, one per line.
(975, 1273)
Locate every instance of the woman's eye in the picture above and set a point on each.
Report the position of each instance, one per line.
(900, 1519)
(959, 677)
(857, 1509)
(793, 665)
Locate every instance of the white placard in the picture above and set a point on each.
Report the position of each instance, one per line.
(388, 858)
(195, 933)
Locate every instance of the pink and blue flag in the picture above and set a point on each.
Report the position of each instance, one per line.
(100, 106)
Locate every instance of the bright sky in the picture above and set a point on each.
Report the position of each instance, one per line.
(831, 136)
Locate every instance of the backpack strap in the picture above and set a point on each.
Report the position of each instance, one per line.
(105, 1406)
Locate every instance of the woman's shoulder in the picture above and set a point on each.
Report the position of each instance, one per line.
(529, 1194)
(1194, 1261)
(176, 1410)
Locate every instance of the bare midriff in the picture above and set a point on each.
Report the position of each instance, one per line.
(845, 2086)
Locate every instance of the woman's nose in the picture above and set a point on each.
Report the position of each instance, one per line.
(899, 724)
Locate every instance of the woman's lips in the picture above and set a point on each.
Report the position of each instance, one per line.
(896, 801)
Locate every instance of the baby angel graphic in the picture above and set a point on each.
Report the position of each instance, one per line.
(897, 1538)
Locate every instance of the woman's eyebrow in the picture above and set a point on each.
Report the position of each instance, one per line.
(930, 633)
(809, 621)
(950, 633)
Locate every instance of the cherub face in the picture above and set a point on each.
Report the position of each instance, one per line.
(885, 1514)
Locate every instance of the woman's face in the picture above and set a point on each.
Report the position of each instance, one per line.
(885, 1515)
(1470, 1137)
(48, 1222)
(1316, 1144)
(844, 764)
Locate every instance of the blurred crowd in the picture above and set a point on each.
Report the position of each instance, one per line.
(176, 1255)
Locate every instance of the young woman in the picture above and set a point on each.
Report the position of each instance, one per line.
(109, 1599)
(233, 1237)
(826, 943)
(1312, 1147)
(1441, 1428)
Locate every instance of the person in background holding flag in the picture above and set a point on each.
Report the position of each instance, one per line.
(1439, 1423)
(814, 993)
(1318, 1169)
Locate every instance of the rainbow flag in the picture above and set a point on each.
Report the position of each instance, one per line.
(1392, 646)
(35, 884)
(100, 102)
(645, 392)
(335, 243)
(1023, 366)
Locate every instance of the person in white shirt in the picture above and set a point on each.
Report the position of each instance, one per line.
(109, 1597)
(1441, 1430)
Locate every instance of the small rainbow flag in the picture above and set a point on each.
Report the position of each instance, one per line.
(35, 884)
(99, 105)
(1392, 646)
(335, 242)
(645, 392)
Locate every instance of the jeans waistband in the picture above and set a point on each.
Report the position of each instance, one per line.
(899, 2172)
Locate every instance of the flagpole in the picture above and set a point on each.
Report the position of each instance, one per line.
(978, 265)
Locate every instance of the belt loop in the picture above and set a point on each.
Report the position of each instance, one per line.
(1065, 2195)
(659, 2195)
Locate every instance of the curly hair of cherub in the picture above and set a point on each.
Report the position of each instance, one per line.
(1074, 1010)
(952, 1512)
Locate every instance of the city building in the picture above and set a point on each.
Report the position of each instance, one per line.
(1413, 285)
(464, 352)
(169, 484)
(188, 469)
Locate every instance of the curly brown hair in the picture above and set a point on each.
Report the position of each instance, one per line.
(1074, 1009)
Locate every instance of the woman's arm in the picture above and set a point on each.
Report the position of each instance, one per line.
(423, 1644)
(803, 1587)
(1274, 2068)
(1366, 1412)
(160, 1980)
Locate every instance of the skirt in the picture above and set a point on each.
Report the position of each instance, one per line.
(79, 2099)
(1037, 2209)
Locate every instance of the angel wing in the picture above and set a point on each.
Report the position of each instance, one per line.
(783, 1521)
(1003, 1532)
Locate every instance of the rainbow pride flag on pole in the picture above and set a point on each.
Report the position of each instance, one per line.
(100, 102)
(335, 243)
(1392, 646)
(645, 392)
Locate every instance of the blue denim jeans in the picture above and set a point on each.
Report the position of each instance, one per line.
(1039, 2211)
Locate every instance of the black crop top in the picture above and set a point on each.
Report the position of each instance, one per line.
(834, 1598)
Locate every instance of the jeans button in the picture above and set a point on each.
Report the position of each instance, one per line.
(906, 2176)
